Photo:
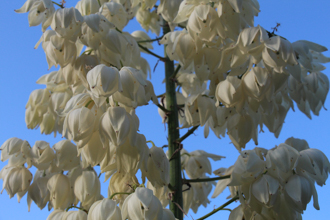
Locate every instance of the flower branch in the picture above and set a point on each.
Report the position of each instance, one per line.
(59, 5)
(189, 132)
(119, 193)
(220, 208)
(163, 109)
(152, 53)
(184, 181)
(176, 71)
(151, 40)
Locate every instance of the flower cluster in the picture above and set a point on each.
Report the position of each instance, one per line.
(276, 183)
(232, 77)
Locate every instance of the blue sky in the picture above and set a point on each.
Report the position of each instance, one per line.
(21, 66)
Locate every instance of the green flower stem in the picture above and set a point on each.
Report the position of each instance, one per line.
(153, 144)
(173, 134)
(189, 132)
(55, 3)
(161, 95)
(205, 179)
(152, 53)
(71, 207)
(89, 102)
(220, 208)
(164, 109)
(119, 193)
(151, 40)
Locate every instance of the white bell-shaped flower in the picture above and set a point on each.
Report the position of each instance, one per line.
(247, 167)
(104, 209)
(61, 195)
(87, 7)
(278, 53)
(103, 82)
(59, 50)
(222, 184)
(257, 82)
(187, 198)
(48, 123)
(131, 79)
(40, 12)
(117, 125)
(94, 29)
(298, 191)
(132, 156)
(115, 41)
(149, 20)
(67, 23)
(16, 180)
(58, 101)
(131, 51)
(168, 215)
(158, 167)
(57, 214)
(75, 215)
(241, 129)
(11, 146)
(296, 143)
(77, 126)
(201, 193)
(36, 107)
(38, 191)
(87, 188)
(142, 204)
(235, 15)
(93, 152)
(204, 24)
(198, 109)
(315, 163)
(66, 155)
(115, 13)
(76, 102)
(281, 161)
(161, 193)
(197, 164)
(42, 155)
(185, 9)
(120, 182)
(83, 64)
(230, 93)
(265, 188)
(169, 10)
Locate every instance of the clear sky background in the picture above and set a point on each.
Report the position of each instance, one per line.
(21, 66)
